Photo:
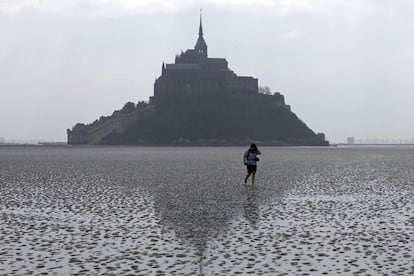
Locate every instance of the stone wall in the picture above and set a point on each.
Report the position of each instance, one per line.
(94, 133)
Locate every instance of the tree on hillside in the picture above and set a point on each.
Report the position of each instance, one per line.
(265, 90)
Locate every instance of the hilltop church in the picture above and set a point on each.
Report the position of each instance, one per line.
(195, 73)
(198, 100)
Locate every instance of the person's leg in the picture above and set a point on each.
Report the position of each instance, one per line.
(249, 172)
(247, 176)
(253, 172)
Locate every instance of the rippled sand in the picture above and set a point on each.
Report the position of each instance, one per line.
(186, 211)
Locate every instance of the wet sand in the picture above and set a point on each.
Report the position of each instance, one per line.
(166, 211)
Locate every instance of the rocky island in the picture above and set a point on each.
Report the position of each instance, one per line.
(198, 100)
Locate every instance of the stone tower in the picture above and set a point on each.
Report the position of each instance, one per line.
(201, 45)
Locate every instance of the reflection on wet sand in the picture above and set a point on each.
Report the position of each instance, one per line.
(250, 208)
(103, 211)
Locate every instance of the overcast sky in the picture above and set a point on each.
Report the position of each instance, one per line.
(346, 67)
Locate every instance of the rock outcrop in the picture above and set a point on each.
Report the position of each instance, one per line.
(199, 101)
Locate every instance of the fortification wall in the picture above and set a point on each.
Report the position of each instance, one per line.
(93, 134)
(117, 124)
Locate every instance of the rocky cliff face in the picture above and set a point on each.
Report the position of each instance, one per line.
(204, 120)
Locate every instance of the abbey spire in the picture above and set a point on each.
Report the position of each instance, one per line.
(201, 45)
(200, 29)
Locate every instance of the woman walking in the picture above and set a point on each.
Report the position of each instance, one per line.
(250, 160)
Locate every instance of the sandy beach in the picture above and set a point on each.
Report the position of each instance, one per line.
(186, 211)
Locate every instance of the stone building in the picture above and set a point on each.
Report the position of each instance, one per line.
(198, 100)
(194, 73)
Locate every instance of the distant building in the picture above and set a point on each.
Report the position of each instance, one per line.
(2, 140)
(198, 100)
(194, 73)
(350, 140)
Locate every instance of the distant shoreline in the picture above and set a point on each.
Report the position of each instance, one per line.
(357, 145)
(62, 145)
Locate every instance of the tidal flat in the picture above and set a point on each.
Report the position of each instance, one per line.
(185, 211)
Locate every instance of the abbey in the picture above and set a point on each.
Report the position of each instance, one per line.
(198, 100)
(195, 73)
